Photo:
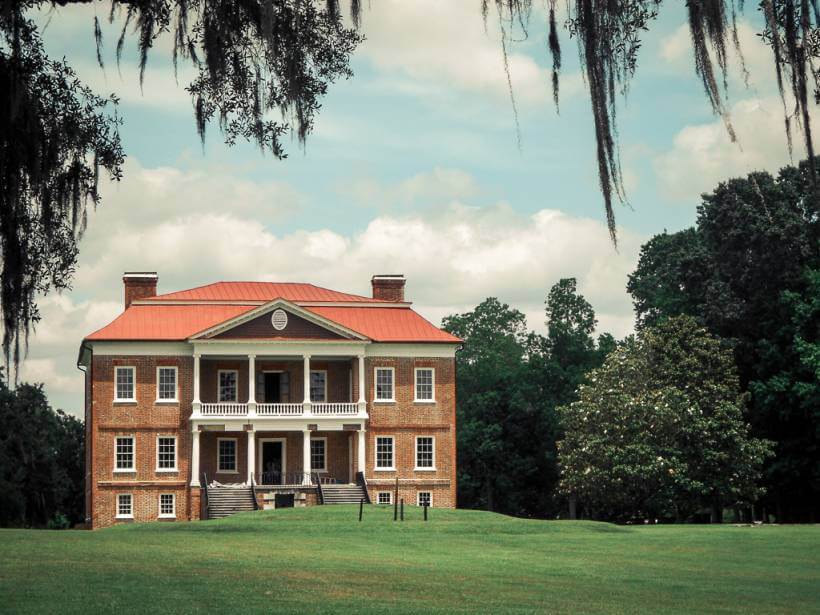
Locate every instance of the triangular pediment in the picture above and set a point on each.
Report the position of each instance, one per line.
(279, 319)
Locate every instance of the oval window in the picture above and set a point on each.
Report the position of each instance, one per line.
(279, 319)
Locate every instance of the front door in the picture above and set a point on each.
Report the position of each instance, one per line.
(272, 465)
(273, 390)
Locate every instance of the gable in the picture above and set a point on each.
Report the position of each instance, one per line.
(261, 327)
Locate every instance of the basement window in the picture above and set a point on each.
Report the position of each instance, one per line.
(125, 506)
(384, 497)
(424, 498)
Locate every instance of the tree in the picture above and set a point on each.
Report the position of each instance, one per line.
(509, 382)
(742, 272)
(608, 35)
(41, 460)
(255, 60)
(659, 430)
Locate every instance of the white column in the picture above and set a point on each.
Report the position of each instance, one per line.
(362, 402)
(360, 450)
(306, 384)
(251, 454)
(195, 457)
(251, 385)
(306, 456)
(197, 402)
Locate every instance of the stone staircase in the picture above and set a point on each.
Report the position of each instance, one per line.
(224, 501)
(343, 494)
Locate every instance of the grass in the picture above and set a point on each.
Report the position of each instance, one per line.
(321, 559)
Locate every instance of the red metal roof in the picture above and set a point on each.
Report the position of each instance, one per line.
(166, 322)
(385, 324)
(261, 291)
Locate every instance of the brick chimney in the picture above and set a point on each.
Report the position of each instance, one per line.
(388, 287)
(139, 285)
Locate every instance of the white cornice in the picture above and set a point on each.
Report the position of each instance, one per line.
(364, 304)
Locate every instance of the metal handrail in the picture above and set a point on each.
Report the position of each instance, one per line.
(207, 502)
(253, 494)
(362, 482)
(320, 494)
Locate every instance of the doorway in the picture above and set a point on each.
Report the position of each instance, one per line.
(272, 461)
(272, 387)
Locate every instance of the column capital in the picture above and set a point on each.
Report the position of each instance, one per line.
(305, 355)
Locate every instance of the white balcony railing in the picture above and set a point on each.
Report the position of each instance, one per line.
(224, 409)
(335, 409)
(323, 409)
(279, 409)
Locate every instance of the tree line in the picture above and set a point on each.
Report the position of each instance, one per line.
(714, 403)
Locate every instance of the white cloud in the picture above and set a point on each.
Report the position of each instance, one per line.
(702, 155)
(454, 256)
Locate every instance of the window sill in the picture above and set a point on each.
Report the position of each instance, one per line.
(125, 401)
(424, 469)
(384, 469)
(124, 517)
(166, 470)
(125, 471)
(424, 401)
(167, 517)
(166, 401)
(384, 401)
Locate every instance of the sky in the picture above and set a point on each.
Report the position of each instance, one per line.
(413, 167)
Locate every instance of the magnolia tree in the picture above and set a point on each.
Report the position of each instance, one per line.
(659, 431)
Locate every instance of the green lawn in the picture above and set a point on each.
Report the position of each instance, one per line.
(321, 559)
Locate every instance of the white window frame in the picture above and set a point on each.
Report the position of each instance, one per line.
(173, 513)
(176, 453)
(133, 467)
(133, 370)
(416, 398)
(175, 398)
(418, 498)
(376, 398)
(389, 495)
(376, 465)
(419, 468)
(324, 394)
(219, 469)
(120, 515)
(219, 386)
(312, 467)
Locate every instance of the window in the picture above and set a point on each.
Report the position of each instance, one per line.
(318, 446)
(166, 384)
(124, 454)
(384, 497)
(226, 457)
(227, 384)
(167, 506)
(318, 386)
(424, 498)
(166, 454)
(384, 384)
(124, 384)
(425, 453)
(384, 453)
(125, 506)
(425, 384)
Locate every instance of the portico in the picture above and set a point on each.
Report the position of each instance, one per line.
(268, 391)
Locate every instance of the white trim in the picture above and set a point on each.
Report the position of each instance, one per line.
(117, 504)
(320, 371)
(133, 370)
(172, 515)
(418, 468)
(139, 348)
(390, 497)
(175, 399)
(417, 350)
(416, 399)
(270, 306)
(219, 470)
(291, 350)
(176, 453)
(219, 373)
(249, 302)
(133, 467)
(376, 466)
(418, 497)
(323, 469)
(259, 443)
(376, 398)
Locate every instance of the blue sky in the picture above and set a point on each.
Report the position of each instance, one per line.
(413, 168)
